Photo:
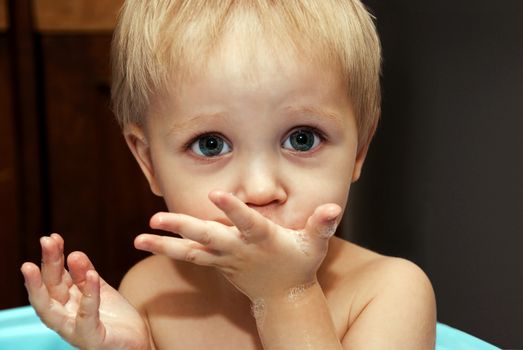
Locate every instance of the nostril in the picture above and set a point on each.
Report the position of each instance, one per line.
(261, 189)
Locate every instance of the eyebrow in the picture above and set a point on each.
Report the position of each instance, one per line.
(194, 122)
(313, 111)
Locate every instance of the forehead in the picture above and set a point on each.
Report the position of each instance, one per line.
(236, 85)
(237, 61)
(254, 61)
(249, 46)
(249, 62)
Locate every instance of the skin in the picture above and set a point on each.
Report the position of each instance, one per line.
(255, 224)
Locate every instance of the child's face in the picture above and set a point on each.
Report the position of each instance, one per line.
(280, 134)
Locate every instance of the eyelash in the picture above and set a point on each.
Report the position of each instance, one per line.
(187, 145)
(312, 128)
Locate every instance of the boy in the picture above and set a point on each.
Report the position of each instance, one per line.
(251, 119)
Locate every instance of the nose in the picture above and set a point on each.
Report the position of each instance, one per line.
(260, 183)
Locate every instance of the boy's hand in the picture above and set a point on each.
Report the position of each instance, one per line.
(78, 304)
(261, 258)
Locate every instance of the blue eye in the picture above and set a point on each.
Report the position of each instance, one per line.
(210, 145)
(302, 140)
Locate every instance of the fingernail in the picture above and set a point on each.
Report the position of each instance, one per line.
(140, 242)
(44, 240)
(334, 212)
(156, 220)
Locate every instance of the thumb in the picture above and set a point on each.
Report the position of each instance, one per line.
(324, 221)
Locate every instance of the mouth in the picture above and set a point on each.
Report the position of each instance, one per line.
(268, 214)
(267, 211)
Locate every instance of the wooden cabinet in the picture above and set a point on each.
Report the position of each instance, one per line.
(3, 15)
(11, 291)
(80, 16)
(64, 165)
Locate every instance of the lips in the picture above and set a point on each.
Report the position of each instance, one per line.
(267, 211)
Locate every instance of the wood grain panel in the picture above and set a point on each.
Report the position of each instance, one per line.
(30, 145)
(99, 199)
(3, 15)
(75, 15)
(11, 293)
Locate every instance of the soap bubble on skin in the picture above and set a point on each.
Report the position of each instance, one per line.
(328, 231)
(302, 242)
(258, 310)
(295, 293)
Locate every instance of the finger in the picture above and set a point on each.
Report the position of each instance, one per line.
(252, 225)
(36, 290)
(210, 234)
(53, 269)
(178, 249)
(66, 278)
(51, 313)
(323, 222)
(79, 264)
(88, 324)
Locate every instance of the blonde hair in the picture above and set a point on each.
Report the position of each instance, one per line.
(155, 39)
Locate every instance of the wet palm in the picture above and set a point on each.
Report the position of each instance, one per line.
(79, 305)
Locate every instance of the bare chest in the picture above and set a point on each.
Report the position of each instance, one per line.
(232, 328)
(215, 332)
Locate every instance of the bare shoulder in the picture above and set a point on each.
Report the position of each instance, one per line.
(375, 273)
(392, 298)
(184, 303)
(140, 275)
(401, 283)
(156, 276)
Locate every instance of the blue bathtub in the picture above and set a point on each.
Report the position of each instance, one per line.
(21, 329)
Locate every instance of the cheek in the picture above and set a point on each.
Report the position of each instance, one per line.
(305, 198)
(192, 202)
(187, 197)
(187, 194)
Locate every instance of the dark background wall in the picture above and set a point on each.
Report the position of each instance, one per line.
(442, 186)
(443, 183)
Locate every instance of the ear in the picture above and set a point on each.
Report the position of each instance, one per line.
(362, 152)
(137, 141)
(358, 164)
